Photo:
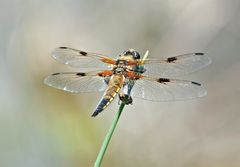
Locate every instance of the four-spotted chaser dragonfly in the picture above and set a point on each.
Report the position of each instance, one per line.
(128, 75)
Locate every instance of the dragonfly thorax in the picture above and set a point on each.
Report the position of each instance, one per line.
(119, 69)
(121, 62)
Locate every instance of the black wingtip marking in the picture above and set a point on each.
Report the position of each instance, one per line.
(171, 59)
(56, 73)
(63, 47)
(83, 53)
(163, 80)
(199, 53)
(195, 83)
(81, 74)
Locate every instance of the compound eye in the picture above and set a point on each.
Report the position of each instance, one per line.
(136, 55)
(127, 52)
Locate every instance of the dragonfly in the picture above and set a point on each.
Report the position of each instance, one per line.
(128, 75)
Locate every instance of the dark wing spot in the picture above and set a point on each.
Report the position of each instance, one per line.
(163, 80)
(199, 53)
(100, 74)
(63, 47)
(195, 83)
(81, 74)
(56, 73)
(171, 59)
(83, 53)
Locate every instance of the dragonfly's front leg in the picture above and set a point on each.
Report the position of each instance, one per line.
(126, 91)
(122, 97)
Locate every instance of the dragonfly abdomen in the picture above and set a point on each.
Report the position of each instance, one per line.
(114, 86)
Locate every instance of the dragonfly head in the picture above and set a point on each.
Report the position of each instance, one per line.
(131, 52)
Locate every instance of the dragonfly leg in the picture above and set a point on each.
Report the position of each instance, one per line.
(119, 101)
(121, 98)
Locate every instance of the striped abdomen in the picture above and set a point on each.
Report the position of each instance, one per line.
(114, 86)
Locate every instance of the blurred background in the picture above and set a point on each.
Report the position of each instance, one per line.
(44, 127)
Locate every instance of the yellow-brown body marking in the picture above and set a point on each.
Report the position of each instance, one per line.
(115, 84)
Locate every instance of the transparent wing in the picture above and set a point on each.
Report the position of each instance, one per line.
(178, 65)
(81, 59)
(76, 82)
(164, 89)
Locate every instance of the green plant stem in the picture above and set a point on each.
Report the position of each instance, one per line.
(109, 134)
